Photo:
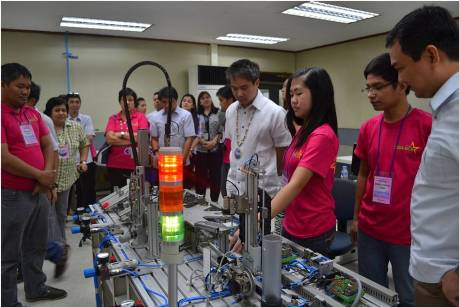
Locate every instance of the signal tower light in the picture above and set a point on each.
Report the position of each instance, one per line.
(170, 166)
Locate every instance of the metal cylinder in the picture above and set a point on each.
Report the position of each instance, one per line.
(143, 139)
(172, 284)
(271, 266)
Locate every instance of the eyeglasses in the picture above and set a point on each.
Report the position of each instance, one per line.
(375, 88)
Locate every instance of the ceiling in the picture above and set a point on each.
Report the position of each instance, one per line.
(203, 21)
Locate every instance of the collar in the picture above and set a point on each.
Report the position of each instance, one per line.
(444, 93)
(133, 115)
(259, 102)
(77, 118)
(164, 112)
(7, 109)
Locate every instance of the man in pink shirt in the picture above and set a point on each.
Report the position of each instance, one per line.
(27, 174)
(390, 147)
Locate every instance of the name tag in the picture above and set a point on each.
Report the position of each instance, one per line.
(382, 189)
(128, 152)
(28, 134)
(64, 151)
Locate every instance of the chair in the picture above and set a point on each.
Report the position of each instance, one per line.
(344, 194)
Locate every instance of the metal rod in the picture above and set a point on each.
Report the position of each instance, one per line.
(67, 60)
(172, 284)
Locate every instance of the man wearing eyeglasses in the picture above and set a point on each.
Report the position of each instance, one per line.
(182, 126)
(390, 147)
(85, 185)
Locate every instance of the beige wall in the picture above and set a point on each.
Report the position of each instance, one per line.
(103, 61)
(345, 63)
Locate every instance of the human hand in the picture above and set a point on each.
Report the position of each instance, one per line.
(39, 188)
(450, 287)
(52, 196)
(235, 243)
(82, 167)
(47, 178)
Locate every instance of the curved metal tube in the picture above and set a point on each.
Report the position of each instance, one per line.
(128, 115)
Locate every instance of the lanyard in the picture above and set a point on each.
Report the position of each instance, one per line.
(396, 143)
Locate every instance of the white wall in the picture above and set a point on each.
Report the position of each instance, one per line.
(103, 61)
(345, 63)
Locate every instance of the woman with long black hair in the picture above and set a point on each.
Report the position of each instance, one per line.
(209, 154)
(188, 103)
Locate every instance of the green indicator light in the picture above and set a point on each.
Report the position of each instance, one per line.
(172, 228)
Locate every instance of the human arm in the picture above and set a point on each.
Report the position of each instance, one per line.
(16, 166)
(186, 147)
(279, 159)
(450, 286)
(360, 190)
(287, 194)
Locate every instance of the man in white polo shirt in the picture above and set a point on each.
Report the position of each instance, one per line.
(424, 49)
(86, 184)
(182, 127)
(256, 126)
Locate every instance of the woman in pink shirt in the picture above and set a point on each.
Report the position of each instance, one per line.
(309, 163)
(120, 162)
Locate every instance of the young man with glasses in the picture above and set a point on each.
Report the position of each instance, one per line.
(390, 147)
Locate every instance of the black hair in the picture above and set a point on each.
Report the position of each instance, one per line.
(155, 93)
(54, 102)
(12, 71)
(73, 95)
(164, 93)
(225, 92)
(380, 66)
(137, 101)
(244, 69)
(424, 26)
(213, 108)
(126, 92)
(290, 117)
(35, 91)
(323, 110)
(194, 112)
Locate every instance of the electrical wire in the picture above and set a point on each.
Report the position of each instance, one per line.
(149, 290)
(234, 185)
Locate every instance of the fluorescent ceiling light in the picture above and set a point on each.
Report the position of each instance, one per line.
(252, 39)
(329, 12)
(75, 22)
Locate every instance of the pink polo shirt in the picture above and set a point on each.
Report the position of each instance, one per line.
(391, 223)
(312, 212)
(22, 130)
(120, 156)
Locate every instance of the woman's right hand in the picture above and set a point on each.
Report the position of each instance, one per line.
(354, 231)
(235, 243)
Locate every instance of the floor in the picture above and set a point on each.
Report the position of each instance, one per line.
(80, 290)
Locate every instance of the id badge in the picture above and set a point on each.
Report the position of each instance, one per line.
(28, 134)
(128, 152)
(63, 151)
(382, 189)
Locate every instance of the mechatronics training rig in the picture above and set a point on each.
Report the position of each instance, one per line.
(165, 246)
